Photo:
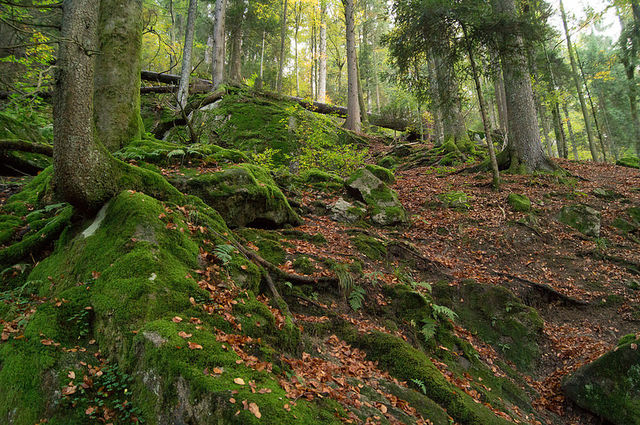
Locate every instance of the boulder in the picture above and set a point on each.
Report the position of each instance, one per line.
(244, 195)
(581, 217)
(609, 386)
(384, 206)
(455, 199)
(605, 193)
(519, 202)
(382, 173)
(346, 211)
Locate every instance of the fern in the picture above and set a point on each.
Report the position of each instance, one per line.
(418, 383)
(223, 252)
(345, 280)
(176, 152)
(356, 298)
(428, 329)
(443, 312)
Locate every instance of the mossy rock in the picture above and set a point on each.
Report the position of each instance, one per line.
(384, 206)
(605, 193)
(581, 217)
(455, 199)
(408, 363)
(371, 247)
(498, 317)
(304, 265)
(519, 202)
(345, 211)
(321, 179)
(610, 386)
(382, 173)
(388, 161)
(134, 272)
(269, 245)
(244, 195)
(629, 161)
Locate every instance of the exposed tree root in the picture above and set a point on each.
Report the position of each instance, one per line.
(548, 293)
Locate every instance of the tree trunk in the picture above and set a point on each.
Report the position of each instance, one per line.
(453, 125)
(363, 107)
(83, 169)
(262, 57)
(501, 100)
(116, 90)
(524, 151)
(217, 67)
(574, 142)
(612, 145)
(593, 108)
(235, 65)
(574, 75)
(558, 130)
(283, 34)
(438, 131)
(352, 122)
(483, 112)
(629, 48)
(183, 88)
(322, 60)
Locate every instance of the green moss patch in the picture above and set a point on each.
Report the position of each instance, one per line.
(519, 202)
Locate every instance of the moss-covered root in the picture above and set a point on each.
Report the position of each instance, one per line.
(407, 363)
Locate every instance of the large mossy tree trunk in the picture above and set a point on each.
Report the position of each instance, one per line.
(84, 170)
(524, 152)
(116, 92)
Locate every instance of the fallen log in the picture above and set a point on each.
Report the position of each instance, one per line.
(24, 146)
(162, 127)
(393, 123)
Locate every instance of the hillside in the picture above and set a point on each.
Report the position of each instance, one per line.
(290, 279)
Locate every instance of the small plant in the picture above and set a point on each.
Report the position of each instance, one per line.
(420, 384)
(428, 329)
(440, 311)
(82, 322)
(356, 298)
(265, 158)
(374, 277)
(223, 253)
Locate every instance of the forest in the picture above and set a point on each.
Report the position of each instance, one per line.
(319, 212)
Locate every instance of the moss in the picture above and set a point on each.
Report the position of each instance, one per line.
(582, 218)
(304, 265)
(426, 407)
(245, 195)
(519, 202)
(9, 224)
(371, 247)
(498, 318)
(321, 179)
(269, 245)
(629, 161)
(388, 161)
(407, 363)
(609, 386)
(382, 173)
(297, 234)
(29, 197)
(455, 199)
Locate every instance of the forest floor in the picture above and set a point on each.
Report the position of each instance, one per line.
(585, 289)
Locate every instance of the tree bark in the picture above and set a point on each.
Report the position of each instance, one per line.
(116, 91)
(574, 75)
(183, 88)
(483, 112)
(322, 60)
(283, 34)
(83, 169)
(628, 45)
(217, 67)
(574, 142)
(353, 121)
(524, 151)
(453, 125)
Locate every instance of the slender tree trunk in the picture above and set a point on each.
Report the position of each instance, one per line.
(453, 125)
(352, 122)
(483, 113)
(283, 34)
(501, 100)
(183, 88)
(295, 41)
(558, 130)
(574, 142)
(172, 37)
(217, 67)
(83, 169)
(262, 56)
(322, 60)
(235, 63)
(363, 107)
(612, 145)
(435, 104)
(524, 150)
(574, 75)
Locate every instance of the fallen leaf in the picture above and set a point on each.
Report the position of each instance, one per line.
(183, 334)
(71, 374)
(253, 408)
(177, 319)
(194, 346)
(239, 381)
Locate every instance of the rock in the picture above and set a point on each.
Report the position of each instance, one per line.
(455, 199)
(383, 203)
(382, 173)
(581, 217)
(604, 193)
(629, 161)
(519, 202)
(244, 195)
(345, 211)
(609, 386)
